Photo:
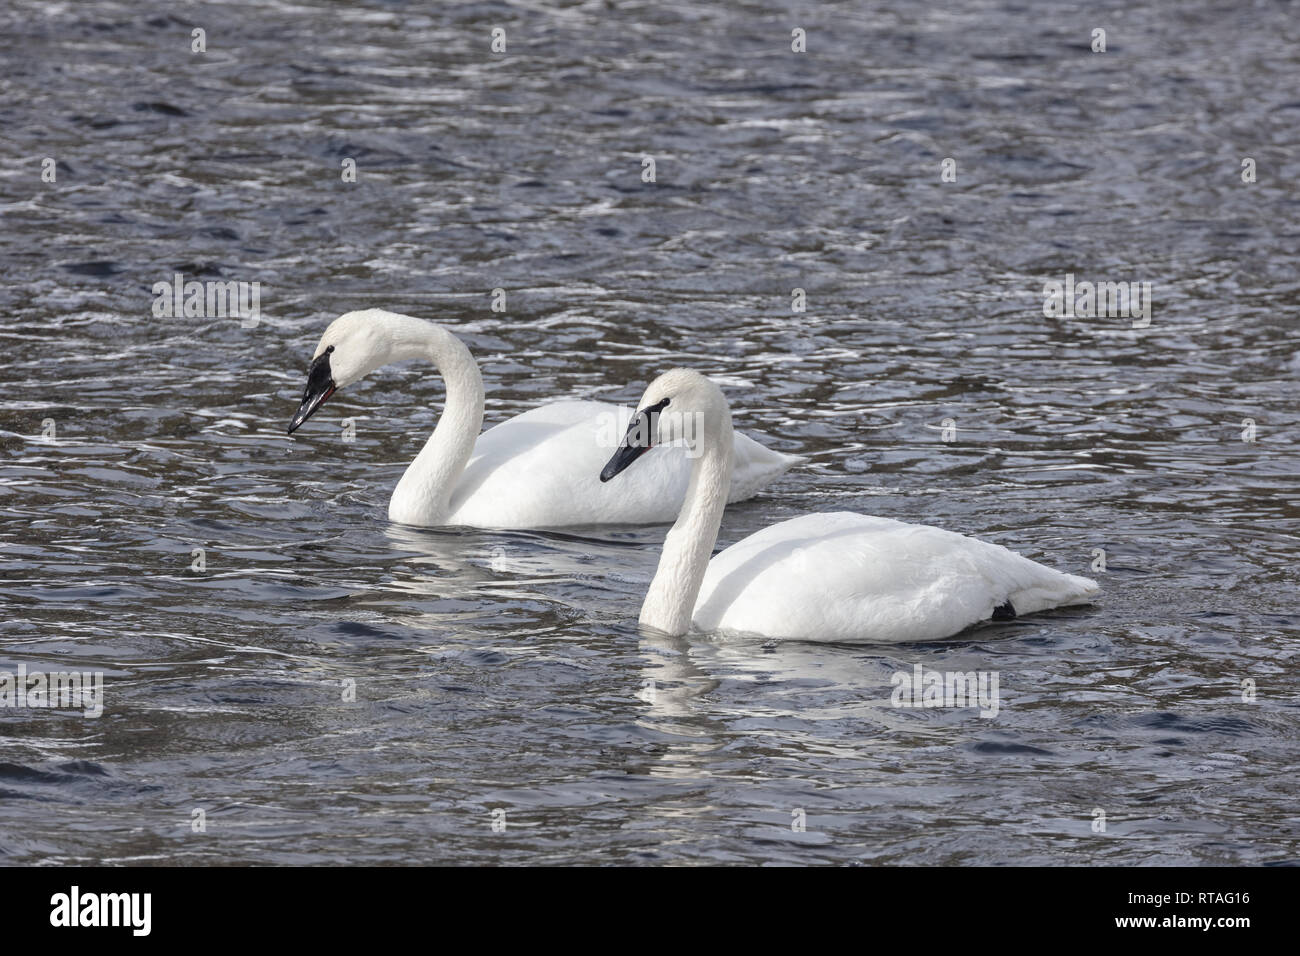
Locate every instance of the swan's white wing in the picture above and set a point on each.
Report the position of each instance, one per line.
(855, 578)
(541, 469)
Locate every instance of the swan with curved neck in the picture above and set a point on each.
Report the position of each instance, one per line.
(837, 576)
(536, 470)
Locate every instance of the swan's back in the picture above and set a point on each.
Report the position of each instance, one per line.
(541, 469)
(849, 577)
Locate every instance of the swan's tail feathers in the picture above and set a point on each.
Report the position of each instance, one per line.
(1059, 591)
(757, 466)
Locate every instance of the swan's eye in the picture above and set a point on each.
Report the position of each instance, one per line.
(650, 417)
(329, 349)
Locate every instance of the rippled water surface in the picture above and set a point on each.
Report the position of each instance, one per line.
(505, 671)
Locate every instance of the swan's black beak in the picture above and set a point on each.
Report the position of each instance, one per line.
(638, 440)
(320, 386)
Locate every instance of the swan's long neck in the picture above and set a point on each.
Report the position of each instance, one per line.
(670, 601)
(423, 495)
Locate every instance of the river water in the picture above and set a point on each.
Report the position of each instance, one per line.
(333, 688)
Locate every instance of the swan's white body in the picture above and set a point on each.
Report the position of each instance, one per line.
(838, 577)
(851, 577)
(536, 470)
(540, 470)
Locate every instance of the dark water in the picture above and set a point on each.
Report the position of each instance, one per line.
(505, 671)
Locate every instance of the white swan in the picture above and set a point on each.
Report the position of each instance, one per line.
(822, 577)
(536, 470)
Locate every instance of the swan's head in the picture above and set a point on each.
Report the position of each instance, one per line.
(679, 404)
(353, 346)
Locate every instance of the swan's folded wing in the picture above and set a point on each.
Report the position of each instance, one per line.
(850, 577)
(541, 469)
